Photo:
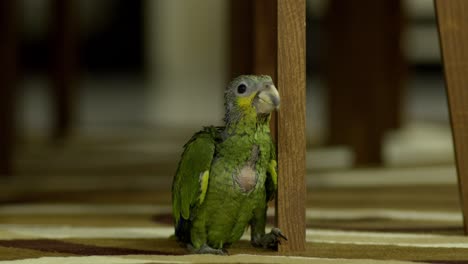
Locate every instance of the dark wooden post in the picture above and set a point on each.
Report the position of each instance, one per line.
(364, 74)
(241, 37)
(453, 34)
(268, 37)
(63, 65)
(265, 45)
(253, 31)
(291, 75)
(265, 31)
(8, 81)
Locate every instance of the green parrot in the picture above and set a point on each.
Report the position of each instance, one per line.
(227, 175)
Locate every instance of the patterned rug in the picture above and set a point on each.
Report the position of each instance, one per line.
(95, 202)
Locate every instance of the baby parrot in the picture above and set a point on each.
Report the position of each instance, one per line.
(227, 175)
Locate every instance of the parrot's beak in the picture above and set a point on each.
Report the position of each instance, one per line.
(267, 99)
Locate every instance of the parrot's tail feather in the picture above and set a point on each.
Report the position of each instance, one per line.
(182, 230)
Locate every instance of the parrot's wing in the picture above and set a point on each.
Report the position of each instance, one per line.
(191, 180)
(272, 175)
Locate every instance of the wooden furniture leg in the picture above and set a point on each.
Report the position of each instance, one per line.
(364, 74)
(253, 40)
(241, 37)
(291, 75)
(265, 46)
(453, 34)
(8, 78)
(269, 38)
(64, 63)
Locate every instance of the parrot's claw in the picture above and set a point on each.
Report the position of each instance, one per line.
(205, 249)
(270, 240)
(277, 232)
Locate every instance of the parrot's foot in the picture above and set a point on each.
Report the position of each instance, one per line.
(205, 249)
(270, 240)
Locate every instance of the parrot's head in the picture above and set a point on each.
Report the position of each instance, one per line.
(251, 96)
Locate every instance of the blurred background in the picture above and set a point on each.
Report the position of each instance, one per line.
(116, 87)
(97, 99)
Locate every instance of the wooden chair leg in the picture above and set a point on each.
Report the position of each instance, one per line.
(291, 81)
(269, 38)
(364, 74)
(64, 63)
(253, 37)
(241, 37)
(253, 40)
(453, 35)
(8, 77)
(265, 45)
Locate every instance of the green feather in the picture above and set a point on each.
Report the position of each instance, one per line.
(191, 179)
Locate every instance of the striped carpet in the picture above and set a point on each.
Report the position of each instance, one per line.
(95, 202)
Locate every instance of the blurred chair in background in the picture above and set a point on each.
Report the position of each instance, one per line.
(364, 66)
(63, 64)
(8, 81)
(64, 44)
(364, 74)
(253, 40)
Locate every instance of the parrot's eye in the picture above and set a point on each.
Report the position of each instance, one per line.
(241, 88)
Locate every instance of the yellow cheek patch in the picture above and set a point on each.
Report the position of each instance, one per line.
(245, 103)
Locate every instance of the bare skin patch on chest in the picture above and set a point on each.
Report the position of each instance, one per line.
(246, 178)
